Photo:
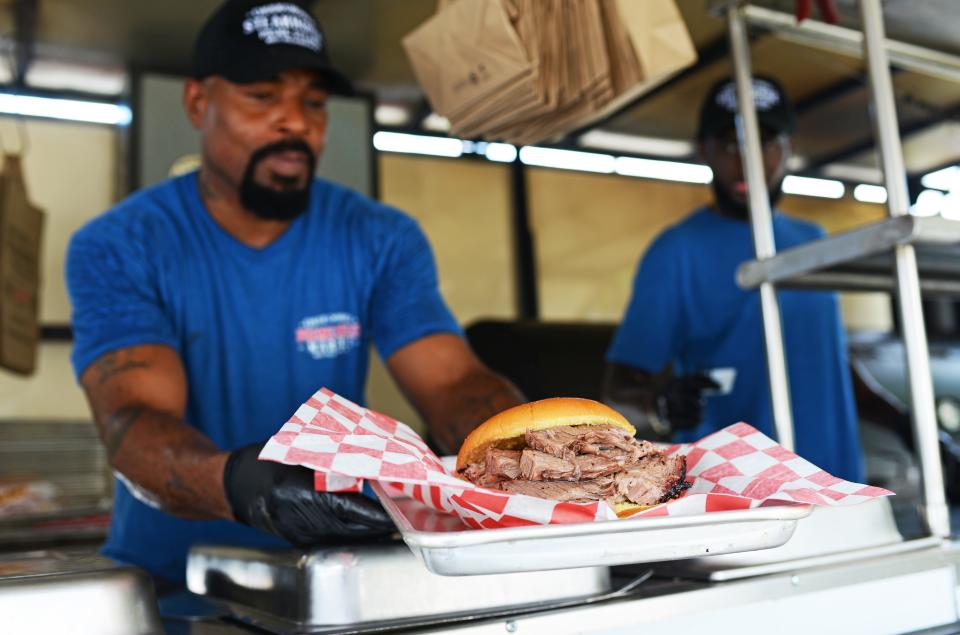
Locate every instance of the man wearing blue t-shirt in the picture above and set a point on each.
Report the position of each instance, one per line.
(208, 307)
(687, 319)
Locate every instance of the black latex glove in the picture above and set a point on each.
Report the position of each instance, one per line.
(280, 499)
(680, 399)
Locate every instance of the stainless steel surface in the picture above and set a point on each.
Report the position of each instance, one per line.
(761, 223)
(892, 594)
(898, 233)
(366, 584)
(80, 594)
(938, 238)
(483, 551)
(923, 408)
(66, 461)
(829, 536)
(839, 39)
(862, 259)
(846, 280)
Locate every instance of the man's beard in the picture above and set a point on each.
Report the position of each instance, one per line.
(729, 206)
(269, 202)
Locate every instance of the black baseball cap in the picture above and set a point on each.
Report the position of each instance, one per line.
(719, 109)
(249, 41)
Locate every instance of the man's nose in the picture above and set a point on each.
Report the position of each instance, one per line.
(292, 118)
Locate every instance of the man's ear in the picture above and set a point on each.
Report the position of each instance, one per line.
(788, 147)
(195, 101)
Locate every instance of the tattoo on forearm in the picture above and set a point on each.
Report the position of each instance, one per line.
(478, 408)
(112, 364)
(474, 409)
(116, 426)
(179, 488)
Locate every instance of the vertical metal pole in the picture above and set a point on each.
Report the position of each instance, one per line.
(761, 222)
(923, 410)
(524, 257)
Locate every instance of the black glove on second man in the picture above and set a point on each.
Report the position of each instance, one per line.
(280, 499)
(680, 399)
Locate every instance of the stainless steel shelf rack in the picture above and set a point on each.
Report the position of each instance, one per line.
(840, 259)
(862, 259)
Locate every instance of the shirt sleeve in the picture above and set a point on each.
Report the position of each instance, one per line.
(648, 337)
(406, 304)
(114, 296)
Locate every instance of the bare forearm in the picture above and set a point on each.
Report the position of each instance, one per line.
(467, 404)
(168, 462)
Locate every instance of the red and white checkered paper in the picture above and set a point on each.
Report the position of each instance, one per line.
(735, 468)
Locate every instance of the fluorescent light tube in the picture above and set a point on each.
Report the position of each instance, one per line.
(66, 109)
(436, 123)
(417, 144)
(870, 193)
(500, 152)
(391, 115)
(806, 186)
(635, 144)
(928, 203)
(944, 179)
(664, 170)
(567, 159)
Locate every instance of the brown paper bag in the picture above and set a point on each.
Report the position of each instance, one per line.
(624, 66)
(21, 228)
(465, 53)
(528, 70)
(661, 45)
(525, 98)
(659, 36)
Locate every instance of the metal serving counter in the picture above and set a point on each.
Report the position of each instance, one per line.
(79, 593)
(894, 593)
(861, 260)
(900, 593)
(370, 587)
(900, 587)
(55, 484)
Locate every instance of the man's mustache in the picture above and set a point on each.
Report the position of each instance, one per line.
(279, 147)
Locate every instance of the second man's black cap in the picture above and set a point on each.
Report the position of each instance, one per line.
(247, 41)
(719, 108)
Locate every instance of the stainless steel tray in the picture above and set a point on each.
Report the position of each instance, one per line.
(869, 531)
(448, 547)
(366, 584)
(76, 593)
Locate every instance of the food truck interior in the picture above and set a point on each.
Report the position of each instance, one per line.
(535, 256)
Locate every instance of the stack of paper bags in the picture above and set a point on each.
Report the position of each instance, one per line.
(528, 70)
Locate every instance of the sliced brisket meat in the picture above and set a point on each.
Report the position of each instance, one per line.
(540, 466)
(608, 441)
(613, 443)
(580, 464)
(600, 439)
(593, 466)
(504, 464)
(655, 479)
(473, 472)
(555, 441)
(564, 491)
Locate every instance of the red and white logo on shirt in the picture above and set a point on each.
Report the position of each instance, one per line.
(328, 335)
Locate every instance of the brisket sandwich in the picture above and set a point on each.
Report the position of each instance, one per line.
(574, 450)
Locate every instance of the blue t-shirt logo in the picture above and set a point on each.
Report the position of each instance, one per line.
(328, 335)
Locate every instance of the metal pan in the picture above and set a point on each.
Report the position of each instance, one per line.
(446, 548)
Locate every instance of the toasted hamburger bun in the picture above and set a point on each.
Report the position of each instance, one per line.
(505, 430)
(629, 509)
